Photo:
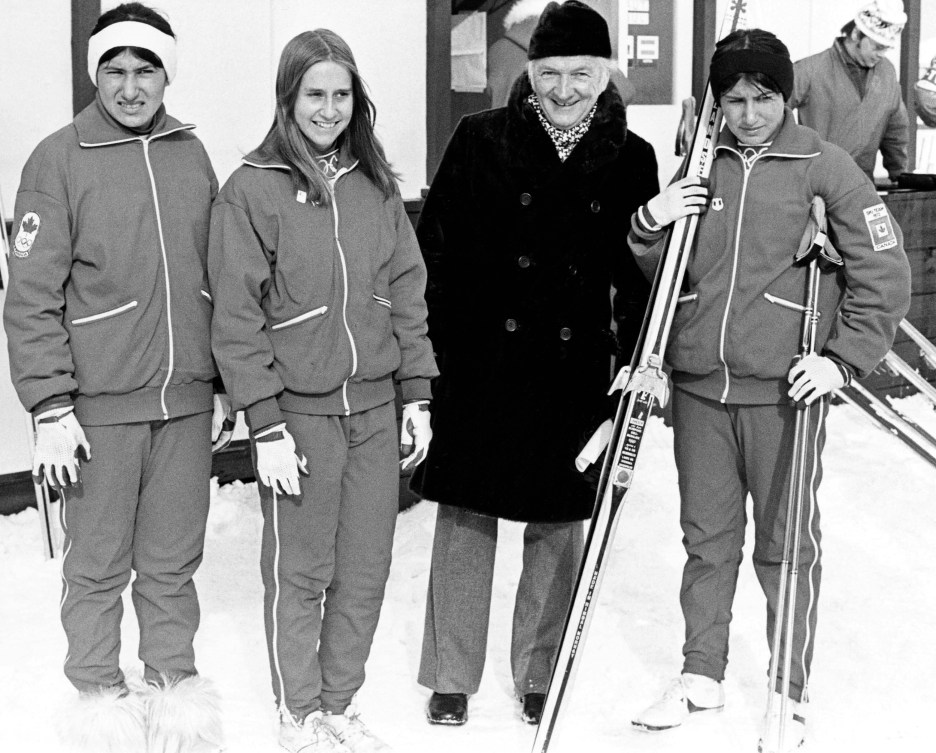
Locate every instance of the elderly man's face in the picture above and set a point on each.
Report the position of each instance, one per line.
(567, 87)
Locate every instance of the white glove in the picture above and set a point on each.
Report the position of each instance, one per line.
(59, 437)
(678, 200)
(222, 422)
(415, 434)
(278, 464)
(814, 376)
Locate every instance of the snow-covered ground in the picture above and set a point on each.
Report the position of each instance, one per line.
(874, 676)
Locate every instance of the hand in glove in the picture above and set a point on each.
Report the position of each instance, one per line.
(278, 463)
(680, 199)
(814, 376)
(59, 438)
(222, 422)
(415, 434)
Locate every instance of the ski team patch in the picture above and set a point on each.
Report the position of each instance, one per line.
(26, 234)
(880, 227)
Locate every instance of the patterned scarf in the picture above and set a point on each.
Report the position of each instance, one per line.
(563, 140)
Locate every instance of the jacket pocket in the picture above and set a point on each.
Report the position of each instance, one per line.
(687, 339)
(383, 301)
(777, 300)
(105, 314)
(301, 318)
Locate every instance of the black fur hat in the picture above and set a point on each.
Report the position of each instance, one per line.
(570, 29)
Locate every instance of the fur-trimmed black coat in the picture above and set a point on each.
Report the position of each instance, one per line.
(522, 251)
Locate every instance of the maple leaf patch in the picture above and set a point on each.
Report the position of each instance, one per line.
(26, 235)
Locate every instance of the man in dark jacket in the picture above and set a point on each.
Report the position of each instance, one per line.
(523, 234)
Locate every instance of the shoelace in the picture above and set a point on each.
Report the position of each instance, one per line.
(355, 730)
(676, 689)
(320, 730)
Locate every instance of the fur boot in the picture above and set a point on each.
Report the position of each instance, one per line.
(109, 720)
(184, 716)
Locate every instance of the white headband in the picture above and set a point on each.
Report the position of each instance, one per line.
(132, 34)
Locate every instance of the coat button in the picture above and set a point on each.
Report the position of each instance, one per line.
(526, 199)
(565, 333)
(511, 325)
(596, 206)
(523, 262)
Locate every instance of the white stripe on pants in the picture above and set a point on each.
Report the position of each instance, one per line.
(334, 548)
(724, 453)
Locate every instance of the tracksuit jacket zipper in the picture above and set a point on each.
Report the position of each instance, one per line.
(344, 305)
(344, 273)
(748, 167)
(145, 141)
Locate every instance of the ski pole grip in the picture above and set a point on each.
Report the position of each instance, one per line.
(594, 446)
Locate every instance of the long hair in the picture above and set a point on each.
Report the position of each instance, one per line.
(286, 143)
(756, 40)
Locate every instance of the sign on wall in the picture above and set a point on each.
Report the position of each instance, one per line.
(650, 50)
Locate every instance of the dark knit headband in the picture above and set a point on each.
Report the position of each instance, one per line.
(778, 68)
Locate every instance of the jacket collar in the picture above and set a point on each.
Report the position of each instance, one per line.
(258, 158)
(96, 127)
(600, 144)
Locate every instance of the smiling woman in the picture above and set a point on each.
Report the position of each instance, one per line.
(319, 310)
(325, 103)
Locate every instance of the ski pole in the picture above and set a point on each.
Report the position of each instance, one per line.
(785, 612)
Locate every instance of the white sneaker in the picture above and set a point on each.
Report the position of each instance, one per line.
(353, 733)
(311, 736)
(687, 694)
(794, 732)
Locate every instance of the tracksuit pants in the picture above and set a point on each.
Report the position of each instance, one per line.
(325, 557)
(723, 453)
(458, 602)
(142, 505)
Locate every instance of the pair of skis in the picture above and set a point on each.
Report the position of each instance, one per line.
(644, 384)
(911, 434)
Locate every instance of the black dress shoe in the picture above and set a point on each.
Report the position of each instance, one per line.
(448, 708)
(533, 707)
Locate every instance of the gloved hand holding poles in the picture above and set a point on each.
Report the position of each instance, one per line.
(59, 438)
(278, 463)
(814, 376)
(415, 434)
(680, 199)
